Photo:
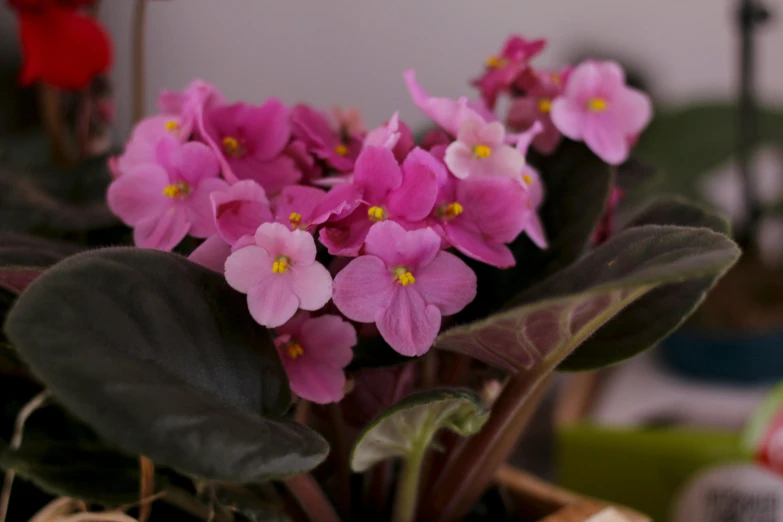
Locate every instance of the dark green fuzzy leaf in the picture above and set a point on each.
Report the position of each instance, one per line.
(161, 357)
(410, 425)
(549, 321)
(655, 315)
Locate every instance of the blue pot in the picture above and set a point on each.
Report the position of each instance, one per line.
(726, 355)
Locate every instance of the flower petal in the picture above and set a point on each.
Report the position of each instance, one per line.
(199, 207)
(362, 288)
(138, 195)
(396, 246)
(268, 126)
(447, 283)
(632, 110)
(407, 323)
(247, 267)
(469, 240)
(313, 381)
(279, 240)
(162, 232)
(329, 339)
(607, 141)
(378, 173)
(459, 159)
(271, 301)
(569, 117)
(212, 253)
(273, 175)
(414, 199)
(312, 284)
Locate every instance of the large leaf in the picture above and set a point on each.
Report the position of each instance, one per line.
(686, 143)
(410, 425)
(161, 357)
(652, 317)
(550, 320)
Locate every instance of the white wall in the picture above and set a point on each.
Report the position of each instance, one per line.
(352, 52)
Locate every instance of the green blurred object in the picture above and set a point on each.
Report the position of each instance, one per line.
(686, 143)
(643, 468)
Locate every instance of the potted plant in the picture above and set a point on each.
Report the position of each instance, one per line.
(365, 323)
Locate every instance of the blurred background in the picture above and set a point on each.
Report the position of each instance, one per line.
(675, 433)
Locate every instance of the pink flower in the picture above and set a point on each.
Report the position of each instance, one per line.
(394, 135)
(304, 161)
(532, 226)
(480, 150)
(279, 274)
(189, 105)
(503, 69)
(404, 194)
(404, 284)
(240, 210)
(449, 114)
(142, 145)
(313, 129)
(300, 207)
(598, 108)
(314, 353)
(480, 214)
(249, 142)
(166, 200)
(542, 88)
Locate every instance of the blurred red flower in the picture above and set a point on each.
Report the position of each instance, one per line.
(61, 46)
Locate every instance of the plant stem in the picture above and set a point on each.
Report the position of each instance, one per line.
(54, 125)
(342, 495)
(407, 495)
(146, 487)
(139, 16)
(311, 498)
(472, 467)
(16, 440)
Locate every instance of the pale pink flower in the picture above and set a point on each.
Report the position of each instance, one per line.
(169, 199)
(597, 107)
(279, 274)
(480, 150)
(404, 284)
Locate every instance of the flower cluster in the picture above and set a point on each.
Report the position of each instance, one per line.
(323, 224)
(589, 102)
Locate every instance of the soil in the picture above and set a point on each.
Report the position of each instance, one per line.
(749, 297)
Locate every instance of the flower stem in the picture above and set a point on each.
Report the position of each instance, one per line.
(408, 487)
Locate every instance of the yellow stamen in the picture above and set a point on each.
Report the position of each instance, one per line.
(294, 350)
(176, 190)
(376, 214)
(597, 104)
(495, 62)
(545, 105)
(172, 126)
(295, 220)
(341, 150)
(453, 210)
(232, 147)
(281, 265)
(482, 151)
(527, 179)
(403, 276)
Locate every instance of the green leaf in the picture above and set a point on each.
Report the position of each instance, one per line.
(85, 471)
(253, 502)
(550, 320)
(410, 425)
(32, 251)
(654, 316)
(161, 357)
(686, 143)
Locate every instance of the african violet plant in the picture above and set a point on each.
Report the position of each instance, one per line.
(380, 282)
